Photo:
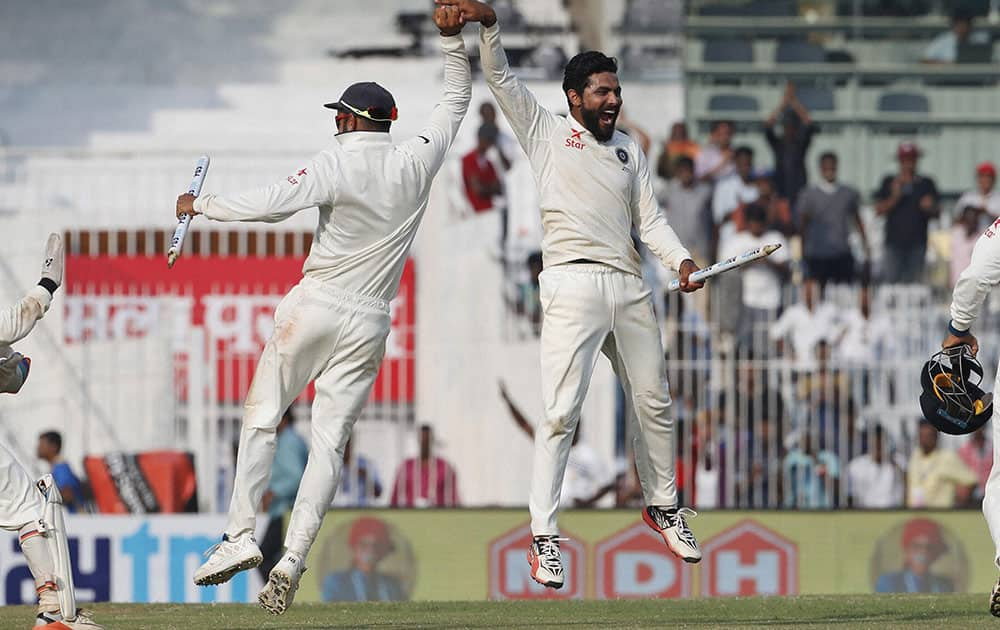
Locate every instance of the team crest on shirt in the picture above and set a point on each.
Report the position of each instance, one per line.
(622, 155)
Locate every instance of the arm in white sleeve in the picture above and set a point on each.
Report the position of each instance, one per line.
(434, 140)
(530, 121)
(982, 274)
(305, 188)
(18, 320)
(647, 218)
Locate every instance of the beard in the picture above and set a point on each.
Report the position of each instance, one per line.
(592, 121)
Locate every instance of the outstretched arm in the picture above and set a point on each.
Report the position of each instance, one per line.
(305, 188)
(19, 319)
(527, 118)
(515, 413)
(434, 140)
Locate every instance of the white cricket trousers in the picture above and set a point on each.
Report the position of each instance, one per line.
(324, 334)
(591, 308)
(20, 500)
(991, 498)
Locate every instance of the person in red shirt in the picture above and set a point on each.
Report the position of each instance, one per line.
(482, 182)
(426, 480)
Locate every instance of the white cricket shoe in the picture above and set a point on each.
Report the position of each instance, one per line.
(55, 621)
(282, 582)
(995, 600)
(227, 558)
(670, 524)
(546, 561)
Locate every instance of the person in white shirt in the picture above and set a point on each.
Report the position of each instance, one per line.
(594, 187)
(985, 196)
(944, 47)
(805, 323)
(738, 188)
(874, 480)
(975, 283)
(331, 328)
(866, 337)
(715, 160)
(762, 280)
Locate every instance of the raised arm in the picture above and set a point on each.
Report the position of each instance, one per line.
(19, 319)
(653, 229)
(434, 140)
(527, 118)
(305, 188)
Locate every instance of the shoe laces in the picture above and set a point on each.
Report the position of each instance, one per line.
(665, 518)
(549, 556)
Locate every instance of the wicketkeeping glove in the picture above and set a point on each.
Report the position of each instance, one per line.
(52, 266)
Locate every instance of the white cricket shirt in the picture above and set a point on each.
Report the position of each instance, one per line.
(371, 193)
(974, 284)
(591, 193)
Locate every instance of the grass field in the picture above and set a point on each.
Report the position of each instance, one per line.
(836, 611)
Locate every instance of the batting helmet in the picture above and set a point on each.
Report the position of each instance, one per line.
(952, 399)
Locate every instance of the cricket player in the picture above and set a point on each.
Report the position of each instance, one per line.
(975, 283)
(332, 326)
(594, 186)
(23, 507)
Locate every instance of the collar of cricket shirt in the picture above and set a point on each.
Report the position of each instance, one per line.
(366, 137)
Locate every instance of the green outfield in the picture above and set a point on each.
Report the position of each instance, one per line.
(817, 611)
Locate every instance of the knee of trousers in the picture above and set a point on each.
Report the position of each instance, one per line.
(559, 424)
(654, 405)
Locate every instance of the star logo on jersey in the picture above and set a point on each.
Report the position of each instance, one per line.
(575, 140)
(301, 173)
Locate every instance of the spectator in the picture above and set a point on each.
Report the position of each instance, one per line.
(290, 456)
(865, 337)
(825, 212)
(875, 480)
(964, 234)
(50, 449)
(762, 280)
(482, 182)
(505, 146)
(759, 412)
(824, 395)
(791, 146)
(811, 475)
(944, 48)
(370, 544)
(984, 196)
(779, 213)
(715, 159)
(685, 202)
(805, 323)
(360, 483)
(730, 192)
(425, 480)
(908, 201)
(587, 478)
(977, 454)
(528, 300)
(923, 545)
(678, 145)
(937, 477)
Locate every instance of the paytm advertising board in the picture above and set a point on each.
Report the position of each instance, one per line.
(132, 559)
(398, 555)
